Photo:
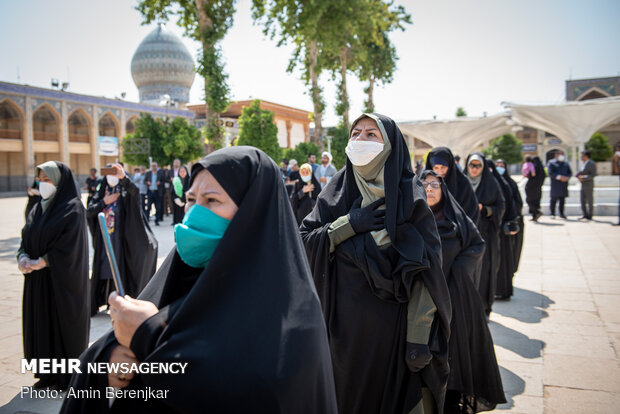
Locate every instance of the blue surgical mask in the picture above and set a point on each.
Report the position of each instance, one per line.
(500, 170)
(198, 235)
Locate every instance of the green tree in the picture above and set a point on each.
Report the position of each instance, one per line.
(259, 130)
(460, 112)
(207, 22)
(168, 139)
(301, 151)
(377, 65)
(340, 139)
(599, 147)
(506, 147)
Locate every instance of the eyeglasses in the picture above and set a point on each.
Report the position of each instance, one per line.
(476, 166)
(433, 184)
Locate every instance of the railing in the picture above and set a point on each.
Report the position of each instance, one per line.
(10, 134)
(79, 138)
(45, 136)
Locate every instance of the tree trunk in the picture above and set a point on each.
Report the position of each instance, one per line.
(205, 24)
(344, 97)
(371, 86)
(313, 53)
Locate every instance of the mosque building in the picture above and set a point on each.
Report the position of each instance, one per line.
(83, 131)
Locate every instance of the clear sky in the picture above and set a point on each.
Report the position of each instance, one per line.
(474, 54)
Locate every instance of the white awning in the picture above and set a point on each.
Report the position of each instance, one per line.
(572, 122)
(461, 135)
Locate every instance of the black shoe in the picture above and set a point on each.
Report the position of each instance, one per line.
(157, 223)
(563, 216)
(583, 218)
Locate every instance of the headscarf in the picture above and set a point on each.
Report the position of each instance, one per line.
(475, 181)
(456, 181)
(305, 166)
(50, 168)
(370, 178)
(328, 156)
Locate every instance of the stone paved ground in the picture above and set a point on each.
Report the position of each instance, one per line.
(557, 340)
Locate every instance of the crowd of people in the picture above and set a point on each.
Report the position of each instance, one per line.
(297, 288)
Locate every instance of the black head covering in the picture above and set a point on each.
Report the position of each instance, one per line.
(249, 324)
(457, 183)
(510, 212)
(488, 192)
(514, 187)
(56, 305)
(413, 234)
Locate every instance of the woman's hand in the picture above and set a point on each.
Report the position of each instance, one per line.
(127, 315)
(308, 188)
(120, 172)
(480, 206)
(24, 264)
(120, 355)
(38, 264)
(110, 198)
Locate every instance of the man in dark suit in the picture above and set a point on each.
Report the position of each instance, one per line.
(586, 176)
(155, 180)
(559, 173)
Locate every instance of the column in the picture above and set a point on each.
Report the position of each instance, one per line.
(289, 125)
(123, 132)
(64, 134)
(27, 142)
(94, 134)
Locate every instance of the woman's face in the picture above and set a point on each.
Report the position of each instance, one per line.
(500, 164)
(305, 172)
(43, 178)
(441, 170)
(182, 173)
(433, 195)
(366, 129)
(207, 192)
(474, 168)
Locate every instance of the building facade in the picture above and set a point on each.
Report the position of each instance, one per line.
(38, 125)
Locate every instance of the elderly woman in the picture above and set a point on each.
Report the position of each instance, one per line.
(475, 383)
(441, 160)
(491, 204)
(250, 330)
(305, 193)
(375, 257)
(53, 256)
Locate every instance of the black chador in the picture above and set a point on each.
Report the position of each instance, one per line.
(533, 188)
(301, 202)
(134, 244)
(55, 304)
(456, 181)
(475, 383)
(507, 234)
(517, 239)
(489, 194)
(251, 331)
(370, 282)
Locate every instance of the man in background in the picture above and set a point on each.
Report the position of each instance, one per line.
(586, 176)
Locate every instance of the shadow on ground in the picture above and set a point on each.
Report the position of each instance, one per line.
(515, 341)
(513, 385)
(525, 306)
(8, 248)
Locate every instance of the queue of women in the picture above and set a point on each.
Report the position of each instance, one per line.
(377, 302)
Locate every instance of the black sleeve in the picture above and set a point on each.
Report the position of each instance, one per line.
(145, 338)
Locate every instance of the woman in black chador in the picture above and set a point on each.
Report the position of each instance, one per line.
(441, 161)
(533, 188)
(491, 205)
(54, 259)
(305, 193)
(251, 331)
(135, 246)
(375, 257)
(504, 287)
(475, 383)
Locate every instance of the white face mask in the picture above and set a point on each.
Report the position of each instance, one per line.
(363, 152)
(46, 189)
(112, 180)
(306, 178)
(500, 170)
(561, 158)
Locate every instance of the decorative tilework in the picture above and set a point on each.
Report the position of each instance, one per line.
(71, 107)
(38, 102)
(17, 100)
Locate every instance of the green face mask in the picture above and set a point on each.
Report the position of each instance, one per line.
(198, 235)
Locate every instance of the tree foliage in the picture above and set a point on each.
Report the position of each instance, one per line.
(259, 130)
(169, 139)
(599, 147)
(301, 151)
(460, 111)
(506, 147)
(340, 139)
(206, 21)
